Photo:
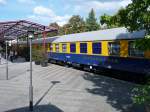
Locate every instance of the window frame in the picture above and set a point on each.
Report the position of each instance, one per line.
(64, 50)
(57, 47)
(111, 52)
(100, 50)
(73, 49)
(142, 55)
(82, 49)
(51, 47)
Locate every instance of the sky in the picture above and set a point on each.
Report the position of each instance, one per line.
(48, 11)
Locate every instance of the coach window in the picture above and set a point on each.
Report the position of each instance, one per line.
(64, 47)
(73, 47)
(83, 47)
(114, 48)
(96, 48)
(133, 51)
(57, 47)
(51, 47)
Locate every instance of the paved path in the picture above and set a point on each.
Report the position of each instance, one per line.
(60, 89)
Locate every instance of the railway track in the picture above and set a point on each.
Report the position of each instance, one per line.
(121, 75)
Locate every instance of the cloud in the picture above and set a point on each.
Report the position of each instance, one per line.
(101, 5)
(2, 2)
(43, 11)
(27, 1)
(46, 15)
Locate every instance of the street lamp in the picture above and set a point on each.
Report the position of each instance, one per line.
(30, 37)
(6, 54)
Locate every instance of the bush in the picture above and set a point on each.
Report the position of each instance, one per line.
(142, 95)
(39, 55)
(143, 91)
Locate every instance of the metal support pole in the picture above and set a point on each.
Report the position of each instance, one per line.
(30, 86)
(44, 36)
(17, 46)
(6, 61)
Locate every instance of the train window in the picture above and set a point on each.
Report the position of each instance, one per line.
(96, 48)
(51, 47)
(57, 47)
(83, 47)
(114, 48)
(133, 51)
(72, 47)
(64, 47)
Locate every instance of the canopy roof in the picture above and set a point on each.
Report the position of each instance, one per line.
(14, 29)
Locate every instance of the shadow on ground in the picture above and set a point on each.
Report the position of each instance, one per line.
(40, 108)
(53, 84)
(119, 94)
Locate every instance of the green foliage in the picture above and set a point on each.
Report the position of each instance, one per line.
(142, 94)
(76, 24)
(91, 22)
(106, 19)
(43, 55)
(35, 55)
(136, 16)
(53, 33)
(65, 29)
(39, 55)
(109, 21)
(61, 31)
(143, 44)
(55, 25)
(119, 19)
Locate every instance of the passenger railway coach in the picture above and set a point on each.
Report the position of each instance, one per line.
(110, 48)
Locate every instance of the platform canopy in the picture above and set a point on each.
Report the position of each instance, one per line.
(10, 30)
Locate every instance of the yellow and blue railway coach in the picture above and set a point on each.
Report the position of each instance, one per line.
(110, 48)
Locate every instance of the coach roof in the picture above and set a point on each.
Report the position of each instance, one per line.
(47, 40)
(107, 34)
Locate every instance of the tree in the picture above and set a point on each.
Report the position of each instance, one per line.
(76, 24)
(54, 33)
(91, 22)
(117, 20)
(136, 16)
(61, 31)
(65, 29)
(109, 21)
(55, 25)
(105, 20)
(143, 44)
